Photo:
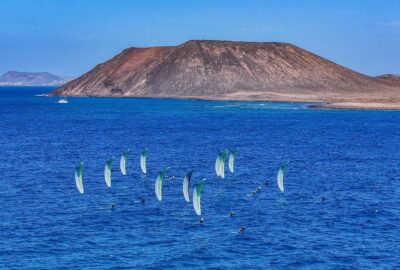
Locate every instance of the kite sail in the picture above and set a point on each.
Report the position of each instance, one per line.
(78, 177)
(197, 196)
(159, 183)
(220, 163)
(223, 156)
(217, 164)
(186, 184)
(281, 172)
(143, 159)
(232, 160)
(122, 162)
(107, 171)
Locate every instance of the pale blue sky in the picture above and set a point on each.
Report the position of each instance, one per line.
(70, 37)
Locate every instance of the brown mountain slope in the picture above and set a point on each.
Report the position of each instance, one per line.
(390, 79)
(229, 70)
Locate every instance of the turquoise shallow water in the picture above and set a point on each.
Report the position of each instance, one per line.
(349, 157)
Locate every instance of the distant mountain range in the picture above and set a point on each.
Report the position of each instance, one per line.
(229, 70)
(32, 79)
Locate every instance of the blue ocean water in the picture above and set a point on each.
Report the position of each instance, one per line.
(349, 157)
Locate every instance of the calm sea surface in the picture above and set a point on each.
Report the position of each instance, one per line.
(351, 158)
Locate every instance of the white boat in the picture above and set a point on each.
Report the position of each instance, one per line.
(63, 100)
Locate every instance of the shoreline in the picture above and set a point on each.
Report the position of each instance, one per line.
(313, 104)
(355, 105)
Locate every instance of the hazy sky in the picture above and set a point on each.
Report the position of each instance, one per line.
(70, 37)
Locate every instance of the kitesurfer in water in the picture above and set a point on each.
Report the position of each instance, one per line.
(242, 229)
(201, 220)
(231, 213)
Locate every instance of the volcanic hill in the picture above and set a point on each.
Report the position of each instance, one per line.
(228, 70)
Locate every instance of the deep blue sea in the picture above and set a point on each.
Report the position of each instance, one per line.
(349, 157)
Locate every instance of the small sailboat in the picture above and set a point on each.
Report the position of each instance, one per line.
(63, 100)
